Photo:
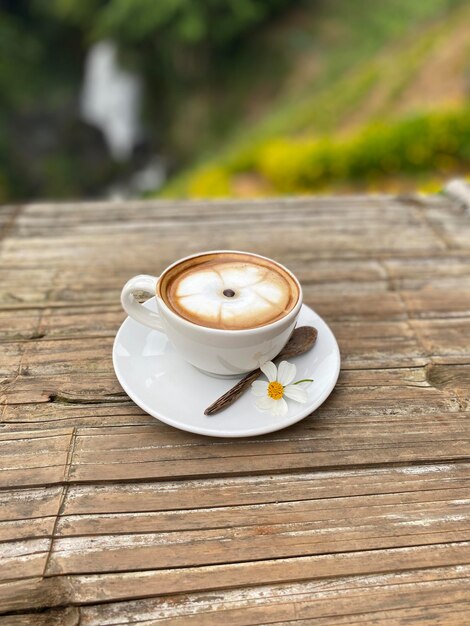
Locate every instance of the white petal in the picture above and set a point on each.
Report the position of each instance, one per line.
(286, 372)
(260, 387)
(265, 403)
(294, 392)
(269, 370)
(280, 408)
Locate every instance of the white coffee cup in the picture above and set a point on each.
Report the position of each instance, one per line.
(215, 351)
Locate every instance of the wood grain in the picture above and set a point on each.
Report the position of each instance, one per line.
(300, 601)
(359, 514)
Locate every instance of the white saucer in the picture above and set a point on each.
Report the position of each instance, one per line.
(168, 388)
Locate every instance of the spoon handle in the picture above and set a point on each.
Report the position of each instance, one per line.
(233, 394)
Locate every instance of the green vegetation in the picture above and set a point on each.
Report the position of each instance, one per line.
(362, 99)
(180, 47)
(241, 96)
(438, 142)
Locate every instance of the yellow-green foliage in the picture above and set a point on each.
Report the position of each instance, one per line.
(438, 142)
(210, 182)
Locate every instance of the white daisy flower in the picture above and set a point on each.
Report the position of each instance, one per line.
(279, 384)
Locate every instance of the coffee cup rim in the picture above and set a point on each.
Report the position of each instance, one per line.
(243, 331)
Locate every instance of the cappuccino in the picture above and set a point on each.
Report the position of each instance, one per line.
(229, 290)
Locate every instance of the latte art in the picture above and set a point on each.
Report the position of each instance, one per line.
(232, 296)
(231, 292)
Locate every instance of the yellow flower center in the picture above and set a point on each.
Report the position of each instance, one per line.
(275, 390)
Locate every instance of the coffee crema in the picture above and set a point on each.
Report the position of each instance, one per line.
(229, 291)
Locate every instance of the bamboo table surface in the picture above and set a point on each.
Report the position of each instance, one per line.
(359, 514)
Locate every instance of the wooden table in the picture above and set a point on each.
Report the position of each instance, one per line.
(359, 514)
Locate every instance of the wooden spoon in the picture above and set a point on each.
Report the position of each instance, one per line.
(301, 341)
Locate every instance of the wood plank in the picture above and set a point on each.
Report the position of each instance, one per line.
(345, 424)
(278, 513)
(28, 513)
(38, 458)
(100, 211)
(336, 275)
(8, 215)
(64, 356)
(366, 528)
(88, 589)
(451, 272)
(302, 601)
(26, 529)
(452, 614)
(319, 441)
(24, 558)
(19, 504)
(451, 225)
(33, 593)
(455, 377)
(56, 617)
(21, 324)
(17, 291)
(444, 338)
(10, 363)
(107, 587)
(70, 217)
(259, 489)
(378, 344)
(60, 391)
(438, 303)
(86, 409)
(136, 468)
(392, 228)
(385, 238)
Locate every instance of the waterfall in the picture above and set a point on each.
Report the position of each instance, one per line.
(111, 100)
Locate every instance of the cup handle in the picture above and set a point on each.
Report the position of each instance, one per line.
(133, 308)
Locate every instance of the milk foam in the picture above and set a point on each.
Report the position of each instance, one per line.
(261, 295)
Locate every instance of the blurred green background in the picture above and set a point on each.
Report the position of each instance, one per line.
(231, 98)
